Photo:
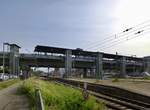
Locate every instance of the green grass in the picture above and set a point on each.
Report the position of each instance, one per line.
(115, 80)
(5, 84)
(147, 78)
(59, 97)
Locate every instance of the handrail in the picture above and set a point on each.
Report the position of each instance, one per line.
(39, 100)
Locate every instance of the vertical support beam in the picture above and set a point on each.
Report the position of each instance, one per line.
(123, 66)
(17, 70)
(3, 59)
(85, 70)
(48, 71)
(147, 65)
(25, 71)
(117, 64)
(68, 63)
(91, 72)
(99, 66)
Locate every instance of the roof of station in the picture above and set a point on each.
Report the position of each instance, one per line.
(57, 50)
(14, 45)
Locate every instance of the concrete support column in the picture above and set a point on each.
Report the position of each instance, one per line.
(123, 66)
(91, 72)
(17, 66)
(85, 70)
(48, 70)
(147, 65)
(25, 71)
(68, 63)
(99, 66)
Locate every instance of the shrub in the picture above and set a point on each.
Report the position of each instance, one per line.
(115, 80)
(59, 97)
(147, 78)
(5, 84)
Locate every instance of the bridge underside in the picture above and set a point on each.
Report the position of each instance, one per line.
(75, 64)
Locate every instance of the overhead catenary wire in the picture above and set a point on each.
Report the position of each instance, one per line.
(118, 42)
(121, 38)
(121, 41)
(118, 37)
(123, 33)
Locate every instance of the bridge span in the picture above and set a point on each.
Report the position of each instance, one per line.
(46, 56)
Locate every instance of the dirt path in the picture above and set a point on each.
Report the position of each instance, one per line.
(10, 100)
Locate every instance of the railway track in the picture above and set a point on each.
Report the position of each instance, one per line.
(114, 98)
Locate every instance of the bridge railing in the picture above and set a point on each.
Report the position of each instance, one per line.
(79, 58)
(83, 59)
(40, 56)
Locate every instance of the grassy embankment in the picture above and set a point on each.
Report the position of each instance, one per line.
(59, 97)
(5, 84)
(147, 78)
(115, 80)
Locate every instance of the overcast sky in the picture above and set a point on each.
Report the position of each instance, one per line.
(73, 23)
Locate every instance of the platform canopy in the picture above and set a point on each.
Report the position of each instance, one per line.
(80, 52)
(48, 49)
(57, 50)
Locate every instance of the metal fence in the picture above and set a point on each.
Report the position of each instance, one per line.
(39, 101)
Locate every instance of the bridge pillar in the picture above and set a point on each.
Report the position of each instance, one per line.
(147, 65)
(99, 66)
(68, 63)
(14, 59)
(25, 71)
(91, 72)
(123, 66)
(48, 71)
(85, 71)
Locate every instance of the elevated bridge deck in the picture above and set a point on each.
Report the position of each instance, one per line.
(46, 56)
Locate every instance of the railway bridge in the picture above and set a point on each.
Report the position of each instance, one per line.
(46, 56)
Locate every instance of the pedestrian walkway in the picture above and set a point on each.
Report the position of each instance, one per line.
(10, 100)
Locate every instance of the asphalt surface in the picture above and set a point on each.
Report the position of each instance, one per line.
(10, 100)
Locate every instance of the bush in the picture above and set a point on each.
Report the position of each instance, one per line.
(5, 84)
(147, 78)
(115, 80)
(59, 97)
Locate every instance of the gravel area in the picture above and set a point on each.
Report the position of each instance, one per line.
(135, 85)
